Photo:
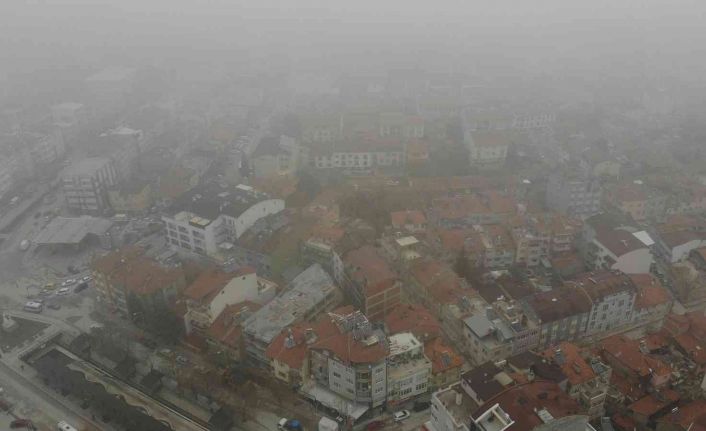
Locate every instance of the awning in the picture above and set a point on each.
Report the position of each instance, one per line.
(334, 401)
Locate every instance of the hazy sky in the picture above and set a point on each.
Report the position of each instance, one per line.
(32, 31)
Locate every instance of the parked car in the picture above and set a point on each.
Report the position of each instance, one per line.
(86, 279)
(400, 415)
(68, 282)
(63, 291)
(375, 425)
(289, 425)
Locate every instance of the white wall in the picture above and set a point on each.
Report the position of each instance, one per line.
(635, 262)
(682, 251)
(247, 219)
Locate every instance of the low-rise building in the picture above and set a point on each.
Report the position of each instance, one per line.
(587, 380)
(652, 301)
(224, 337)
(214, 290)
(619, 249)
(130, 197)
(410, 221)
(638, 368)
(637, 200)
(487, 149)
(675, 245)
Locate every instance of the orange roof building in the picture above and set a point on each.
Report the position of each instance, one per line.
(374, 286)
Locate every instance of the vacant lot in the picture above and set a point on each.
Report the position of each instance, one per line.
(26, 331)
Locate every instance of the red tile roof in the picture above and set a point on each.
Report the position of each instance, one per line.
(442, 356)
(630, 390)
(618, 241)
(559, 304)
(628, 353)
(459, 207)
(601, 284)
(439, 280)
(691, 417)
(402, 218)
(677, 238)
(294, 355)
(521, 403)
(652, 404)
(650, 292)
(656, 341)
(623, 422)
(227, 327)
(138, 274)
(208, 283)
(346, 347)
(455, 240)
(415, 319)
(365, 266)
(693, 347)
(573, 366)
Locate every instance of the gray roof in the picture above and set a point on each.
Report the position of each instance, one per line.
(212, 199)
(480, 325)
(305, 292)
(65, 230)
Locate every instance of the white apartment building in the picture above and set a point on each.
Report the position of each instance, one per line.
(612, 297)
(211, 217)
(408, 370)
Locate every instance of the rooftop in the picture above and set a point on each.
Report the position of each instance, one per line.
(442, 356)
(558, 304)
(403, 343)
(650, 292)
(212, 199)
(415, 319)
(618, 241)
(401, 218)
(599, 285)
(227, 328)
(208, 283)
(365, 266)
(482, 380)
(71, 230)
(628, 353)
(568, 357)
(524, 404)
(460, 412)
(305, 291)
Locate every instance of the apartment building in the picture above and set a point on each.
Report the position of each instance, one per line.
(574, 194)
(562, 314)
(408, 369)
(86, 183)
(612, 295)
(373, 285)
(210, 218)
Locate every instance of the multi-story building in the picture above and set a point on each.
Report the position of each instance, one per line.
(210, 218)
(652, 302)
(639, 201)
(123, 146)
(281, 156)
(617, 249)
(131, 196)
(224, 336)
(214, 290)
(307, 295)
(487, 149)
(410, 221)
(126, 278)
(351, 362)
(363, 157)
(498, 246)
(374, 287)
(408, 369)
(86, 183)
(574, 194)
(587, 380)
(612, 296)
(638, 368)
(561, 313)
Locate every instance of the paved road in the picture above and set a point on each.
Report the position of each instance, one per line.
(45, 407)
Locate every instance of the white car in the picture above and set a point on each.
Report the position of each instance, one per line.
(86, 279)
(282, 422)
(400, 415)
(68, 282)
(63, 291)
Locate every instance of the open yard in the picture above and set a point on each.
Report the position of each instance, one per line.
(27, 330)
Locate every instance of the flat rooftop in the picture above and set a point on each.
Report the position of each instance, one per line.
(305, 291)
(460, 412)
(72, 230)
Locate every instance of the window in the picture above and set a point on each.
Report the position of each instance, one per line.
(335, 374)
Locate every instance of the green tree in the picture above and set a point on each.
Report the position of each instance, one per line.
(461, 266)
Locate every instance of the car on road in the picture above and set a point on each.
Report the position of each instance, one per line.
(86, 279)
(289, 425)
(68, 282)
(400, 415)
(375, 425)
(63, 291)
(54, 306)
